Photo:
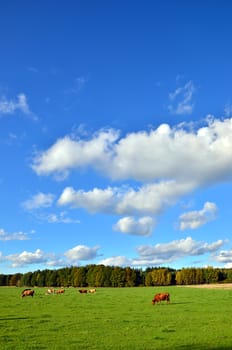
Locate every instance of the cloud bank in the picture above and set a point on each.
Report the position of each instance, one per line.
(167, 163)
(146, 255)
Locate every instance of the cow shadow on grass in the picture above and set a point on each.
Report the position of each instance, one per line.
(174, 303)
(13, 318)
(202, 347)
(180, 303)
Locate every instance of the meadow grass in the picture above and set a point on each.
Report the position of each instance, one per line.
(117, 319)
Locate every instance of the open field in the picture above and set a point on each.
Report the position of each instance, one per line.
(212, 286)
(119, 318)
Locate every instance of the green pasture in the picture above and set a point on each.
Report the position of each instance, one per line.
(116, 318)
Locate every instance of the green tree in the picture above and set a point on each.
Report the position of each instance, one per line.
(26, 279)
(91, 275)
(15, 280)
(161, 277)
(148, 279)
(118, 277)
(130, 277)
(99, 276)
(107, 271)
(80, 277)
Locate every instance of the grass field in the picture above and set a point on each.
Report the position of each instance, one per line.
(120, 318)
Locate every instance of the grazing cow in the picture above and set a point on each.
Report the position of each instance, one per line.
(28, 292)
(50, 291)
(83, 291)
(60, 291)
(161, 296)
(92, 290)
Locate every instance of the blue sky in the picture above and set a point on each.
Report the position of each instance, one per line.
(115, 134)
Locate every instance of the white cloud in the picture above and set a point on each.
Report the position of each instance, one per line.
(165, 253)
(148, 255)
(94, 201)
(81, 252)
(56, 262)
(40, 200)
(12, 106)
(60, 218)
(116, 261)
(224, 257)
(15, 236)
(181, 99)
(141, 227)
(195, 219)
(149, 199)
(191, 156)
(28, 258)
(175, 250)
(171, 161)
(38, 257)
(68, 153)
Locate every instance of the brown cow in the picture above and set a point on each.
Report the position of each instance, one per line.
(161, 296)
(82, 291)
(60, 291)
(28, 292)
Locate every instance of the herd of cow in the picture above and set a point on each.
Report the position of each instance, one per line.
(30, 292)
(85, 291)
(157, 297)
(54, 291)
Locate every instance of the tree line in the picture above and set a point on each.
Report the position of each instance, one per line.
(111, 276)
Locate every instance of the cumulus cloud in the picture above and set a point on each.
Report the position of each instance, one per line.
(28, 258)
(56, 262)
(181, 99)
(195, 219)
(167, 153)
(141, 227)
(38, 257)
(81, 252)
(224, 257)
(147, 255)
(165, 253)
(178, 248)
(116, 261)
(40, 200)
(94, 201)
(68, 153)
(167, 164)
(151, 198)
(74, 255)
